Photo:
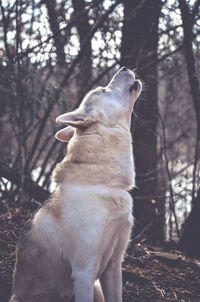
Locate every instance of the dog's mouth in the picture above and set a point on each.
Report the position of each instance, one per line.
(135, 86)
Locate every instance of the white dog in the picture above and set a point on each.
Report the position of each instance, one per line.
(80, 235)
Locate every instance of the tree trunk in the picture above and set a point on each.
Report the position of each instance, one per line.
(83, 28)
(190, 242)
(187, 19)
(54, 25)
(191, 230)
(139, 50)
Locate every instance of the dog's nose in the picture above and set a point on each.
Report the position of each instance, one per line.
(124, 69)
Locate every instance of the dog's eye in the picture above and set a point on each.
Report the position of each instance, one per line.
(103, 90)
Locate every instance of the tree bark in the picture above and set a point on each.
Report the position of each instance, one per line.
(191, 231)
(83, 28)
(190, 242)
(187, 19)
(54, 25)
(138, 50)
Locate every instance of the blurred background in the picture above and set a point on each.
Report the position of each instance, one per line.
(53, 51)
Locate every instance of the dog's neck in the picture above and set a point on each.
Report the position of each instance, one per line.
(95, 159)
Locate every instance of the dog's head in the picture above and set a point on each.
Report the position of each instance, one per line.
(111, 105)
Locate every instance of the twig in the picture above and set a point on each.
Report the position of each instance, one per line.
(52, 148)
(138, 237)
(53, 166)
(194, 174)
(172, 203)
(29, 186)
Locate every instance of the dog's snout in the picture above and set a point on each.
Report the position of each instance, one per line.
(127, 72)
(124, 69)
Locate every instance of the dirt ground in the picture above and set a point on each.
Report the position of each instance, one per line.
(149, 273)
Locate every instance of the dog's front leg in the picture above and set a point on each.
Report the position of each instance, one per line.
(111, 282)
(83, 286)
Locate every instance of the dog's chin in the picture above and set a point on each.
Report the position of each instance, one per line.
(136, 88)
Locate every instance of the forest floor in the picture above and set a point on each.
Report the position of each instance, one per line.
(149, 273)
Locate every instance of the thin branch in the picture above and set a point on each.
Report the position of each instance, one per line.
(137, 238)
(195, 10)
(96, 26)
(162, 58)
(43, 167)
(5, 31)
(172, 203)
(40, 132)
(29, 186)
(40, 151)
(48, 175)
(194, 173)
(95, 81)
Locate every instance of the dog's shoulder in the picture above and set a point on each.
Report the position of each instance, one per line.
(119, 203)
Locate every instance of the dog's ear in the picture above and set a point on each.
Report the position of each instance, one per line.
(77, 119)
(65, 134)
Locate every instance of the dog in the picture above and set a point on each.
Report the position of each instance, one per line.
(80, 235)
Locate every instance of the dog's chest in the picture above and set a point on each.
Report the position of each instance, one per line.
(76, 201)
(95, 216)
(85, 222)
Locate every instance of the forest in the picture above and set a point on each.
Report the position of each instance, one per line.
(52, 52)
